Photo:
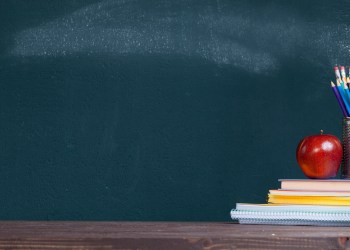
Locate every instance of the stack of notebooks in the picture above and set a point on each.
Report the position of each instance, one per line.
(300, 202)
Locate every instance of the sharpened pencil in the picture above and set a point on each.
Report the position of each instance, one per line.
(339, 99)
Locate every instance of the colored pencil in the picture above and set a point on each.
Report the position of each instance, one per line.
(342, 94)
(345, 85)
(341, 85)
(339, 99)
(347, 93)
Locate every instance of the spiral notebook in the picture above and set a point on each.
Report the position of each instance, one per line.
(276, 214)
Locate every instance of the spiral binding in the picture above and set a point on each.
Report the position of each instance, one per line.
(345, 168)
(292, 218)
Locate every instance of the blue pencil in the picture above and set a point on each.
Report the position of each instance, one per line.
(339, 99)
(342, 94)
(340, 84)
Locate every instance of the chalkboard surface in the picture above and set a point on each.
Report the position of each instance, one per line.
(160, 110)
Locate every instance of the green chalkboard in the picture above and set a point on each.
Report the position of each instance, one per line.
(160, 110)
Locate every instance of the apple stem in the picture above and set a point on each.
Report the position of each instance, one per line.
(321, 131)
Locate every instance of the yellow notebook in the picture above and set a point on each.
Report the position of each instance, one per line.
(311, 200)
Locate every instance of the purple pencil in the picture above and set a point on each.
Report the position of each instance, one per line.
(339, 99)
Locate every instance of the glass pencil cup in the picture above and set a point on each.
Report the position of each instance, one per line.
(345, 166)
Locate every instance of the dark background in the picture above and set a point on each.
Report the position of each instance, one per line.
(160, 110)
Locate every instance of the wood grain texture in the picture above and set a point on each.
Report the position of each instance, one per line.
(167, 235)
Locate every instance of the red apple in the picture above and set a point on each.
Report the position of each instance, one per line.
(319, 156)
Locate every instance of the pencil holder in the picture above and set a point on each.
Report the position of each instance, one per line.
(345, 167)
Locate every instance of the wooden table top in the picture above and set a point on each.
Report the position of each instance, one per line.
(167, 235)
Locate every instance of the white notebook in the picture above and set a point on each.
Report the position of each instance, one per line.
(316, 215)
